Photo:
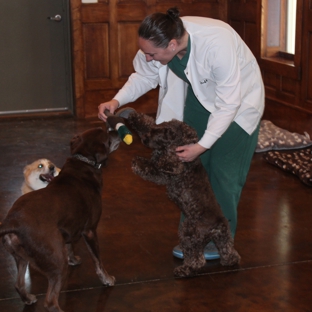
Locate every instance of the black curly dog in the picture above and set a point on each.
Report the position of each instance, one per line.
(188, 186)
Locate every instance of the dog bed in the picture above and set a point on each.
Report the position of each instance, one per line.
(272, 137)
(297, 162)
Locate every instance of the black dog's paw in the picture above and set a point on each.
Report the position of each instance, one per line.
(230, 259)
(183, 271)
(140, 166)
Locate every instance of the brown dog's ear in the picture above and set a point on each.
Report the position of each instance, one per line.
(114, 140)
(75, 143)
(100, 157)
(111, 145)
(170, 163)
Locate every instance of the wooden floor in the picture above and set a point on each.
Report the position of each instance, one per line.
(138, 230)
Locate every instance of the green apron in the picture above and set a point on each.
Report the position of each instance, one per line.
(227, 162)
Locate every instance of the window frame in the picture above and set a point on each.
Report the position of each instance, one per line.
(273, 58)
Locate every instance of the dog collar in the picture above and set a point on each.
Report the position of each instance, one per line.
(88, 161)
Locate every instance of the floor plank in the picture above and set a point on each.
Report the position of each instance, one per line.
(138, 230)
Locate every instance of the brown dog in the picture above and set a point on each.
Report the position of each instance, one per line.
(41, 225)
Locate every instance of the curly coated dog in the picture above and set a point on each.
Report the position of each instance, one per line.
(41, 226)
(188, 186)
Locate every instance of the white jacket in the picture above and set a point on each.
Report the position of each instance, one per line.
(224, 75)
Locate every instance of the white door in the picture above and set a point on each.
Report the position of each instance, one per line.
(35, 63)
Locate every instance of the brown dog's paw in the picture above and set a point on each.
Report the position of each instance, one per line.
(75, 260)
(30, 299)
(110, 281)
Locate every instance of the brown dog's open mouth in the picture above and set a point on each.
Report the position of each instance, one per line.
(46, 177)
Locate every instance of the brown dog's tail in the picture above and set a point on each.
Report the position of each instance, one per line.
(7, 229)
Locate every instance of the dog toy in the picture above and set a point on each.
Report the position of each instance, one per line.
(117, 123)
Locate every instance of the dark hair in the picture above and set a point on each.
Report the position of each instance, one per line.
(160, 28)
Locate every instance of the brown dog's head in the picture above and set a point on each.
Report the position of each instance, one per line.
(95, 144)
(164, 138)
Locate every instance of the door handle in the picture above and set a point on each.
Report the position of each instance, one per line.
(56, 18)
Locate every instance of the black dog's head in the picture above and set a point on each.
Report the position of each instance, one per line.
(163, 138)
(95, 144)
(170, 133)
(142, 125)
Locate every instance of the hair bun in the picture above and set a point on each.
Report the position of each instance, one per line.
(174, 13)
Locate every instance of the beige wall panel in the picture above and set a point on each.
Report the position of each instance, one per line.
(309, 62)
(127, 47)
(270, 80)
(250, 33)
(98, 13)
(95, 38)
(105, 36)
(288, 86)
(131, 1)
(175, 2)
(238, 26)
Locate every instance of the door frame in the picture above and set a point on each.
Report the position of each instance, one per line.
(70, 94)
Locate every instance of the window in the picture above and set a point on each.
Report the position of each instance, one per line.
(291, 26)
(278, 29)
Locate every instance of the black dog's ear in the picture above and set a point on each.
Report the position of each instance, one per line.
(114, 140)
(140, 122)
(170, 163)
(188, 134)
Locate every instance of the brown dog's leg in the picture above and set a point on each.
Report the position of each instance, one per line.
(55, 269)
(91, 240)
(12, 244)
(54, 289)
(20, 283)
(72, 259)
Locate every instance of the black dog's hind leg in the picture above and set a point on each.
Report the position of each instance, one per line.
(192, 243)
(224, 242)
